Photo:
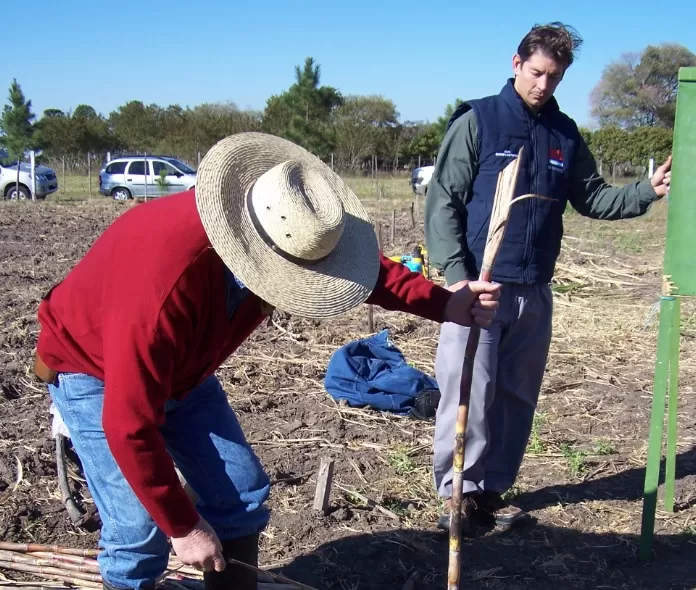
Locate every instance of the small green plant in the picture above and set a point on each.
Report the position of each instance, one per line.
(396, 507)
(577, 465)
(400, 460)
(161, 181)
(512, 493)
(603, 447)
(536, 446)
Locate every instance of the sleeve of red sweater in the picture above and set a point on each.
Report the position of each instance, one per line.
(139, 358)
(400, 289)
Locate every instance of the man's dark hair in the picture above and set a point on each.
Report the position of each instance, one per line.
(556, 40)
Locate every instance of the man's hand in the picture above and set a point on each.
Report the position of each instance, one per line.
(661, 178)
(200, 548)
(473, 301)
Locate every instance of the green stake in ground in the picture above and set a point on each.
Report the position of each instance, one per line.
(679, 281)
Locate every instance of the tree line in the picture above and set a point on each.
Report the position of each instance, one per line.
(633, 103)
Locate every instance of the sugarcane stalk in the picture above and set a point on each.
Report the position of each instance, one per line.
(32, 547)
(92, 580)
(45, 561)
(89, 562)
(502, 202)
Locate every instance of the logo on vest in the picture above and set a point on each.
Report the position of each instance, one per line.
(556, 160)
(506, 154)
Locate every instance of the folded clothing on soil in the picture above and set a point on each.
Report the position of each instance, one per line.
(372, 372)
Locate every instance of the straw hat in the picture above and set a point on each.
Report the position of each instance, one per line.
(286, 225)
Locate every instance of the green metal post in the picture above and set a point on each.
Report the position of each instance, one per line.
(679, 280)
(657, 418)
(680, 262)
(672, 389)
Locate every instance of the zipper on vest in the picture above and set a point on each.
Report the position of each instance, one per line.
(533, 169)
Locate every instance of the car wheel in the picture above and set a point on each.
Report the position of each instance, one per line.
(121, 194)
(14, 195)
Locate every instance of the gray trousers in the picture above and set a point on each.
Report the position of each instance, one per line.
(508, 371)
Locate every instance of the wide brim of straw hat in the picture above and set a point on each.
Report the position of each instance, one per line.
(331, 286)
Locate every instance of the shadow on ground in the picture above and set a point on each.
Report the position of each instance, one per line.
(625, 485)
(539, 557)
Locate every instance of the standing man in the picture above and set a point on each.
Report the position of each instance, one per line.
(131, 339)
(482, 137)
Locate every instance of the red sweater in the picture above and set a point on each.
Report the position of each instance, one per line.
(145, 312)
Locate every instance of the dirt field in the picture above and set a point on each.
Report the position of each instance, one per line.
(582, 478)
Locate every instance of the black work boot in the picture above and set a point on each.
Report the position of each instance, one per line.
(468, 509)
(503, 513)
(236, 577)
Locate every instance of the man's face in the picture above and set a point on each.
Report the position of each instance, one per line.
(536, 79)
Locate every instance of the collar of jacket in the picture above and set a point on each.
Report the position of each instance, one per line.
(510, 96)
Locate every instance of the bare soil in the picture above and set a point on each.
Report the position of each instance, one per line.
(582, 478)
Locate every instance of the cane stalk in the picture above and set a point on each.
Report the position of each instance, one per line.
(502, 202)
(31, 547)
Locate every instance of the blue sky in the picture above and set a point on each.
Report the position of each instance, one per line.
(422, 55)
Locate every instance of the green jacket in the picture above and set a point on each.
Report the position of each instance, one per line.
(452, 182)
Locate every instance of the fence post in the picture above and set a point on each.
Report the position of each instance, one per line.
(63, 180)
(393, 226)
(32, 156)
(651, 167)
(89, 173)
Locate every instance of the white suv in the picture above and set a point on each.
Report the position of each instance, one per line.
(420, 177)
(129, 177)
(46, 181)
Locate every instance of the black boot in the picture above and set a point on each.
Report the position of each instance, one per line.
(236, 577)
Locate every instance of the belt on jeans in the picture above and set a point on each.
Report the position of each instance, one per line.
(43, 372)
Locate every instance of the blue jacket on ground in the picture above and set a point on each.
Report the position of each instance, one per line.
(373, 372)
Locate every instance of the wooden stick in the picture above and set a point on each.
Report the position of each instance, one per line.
(393, 227)
(267, 573)
(322, 493)
(369, 502)
(370, 311)
(29, 547)
(505, 190)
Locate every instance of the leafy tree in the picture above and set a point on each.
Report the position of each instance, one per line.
(362, 125)
(640, 89)
(426, 142)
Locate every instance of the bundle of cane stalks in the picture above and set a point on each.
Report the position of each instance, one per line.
(68, 567)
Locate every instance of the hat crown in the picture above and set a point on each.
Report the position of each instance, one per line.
(298, 209)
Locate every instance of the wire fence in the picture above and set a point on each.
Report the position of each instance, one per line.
(82, 176)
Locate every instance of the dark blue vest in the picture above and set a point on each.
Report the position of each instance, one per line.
(533, 236)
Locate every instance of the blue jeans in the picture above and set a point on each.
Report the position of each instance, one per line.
(208, 446)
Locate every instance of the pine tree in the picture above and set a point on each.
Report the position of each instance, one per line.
(16, 126)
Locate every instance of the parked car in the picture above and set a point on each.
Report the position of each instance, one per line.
(46, 180)
(420, 177)
(137, 176)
